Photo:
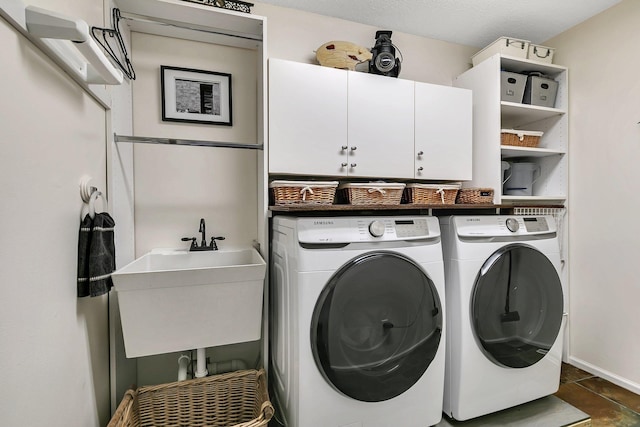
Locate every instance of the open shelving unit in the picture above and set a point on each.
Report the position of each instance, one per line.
(491, 114)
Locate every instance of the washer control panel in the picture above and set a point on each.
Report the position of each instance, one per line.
(501, 225)
(366, 229)
(536, 224)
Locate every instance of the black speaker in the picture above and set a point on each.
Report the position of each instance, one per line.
(384, 59)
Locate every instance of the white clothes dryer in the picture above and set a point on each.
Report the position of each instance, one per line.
(505, 312)
(357, 321)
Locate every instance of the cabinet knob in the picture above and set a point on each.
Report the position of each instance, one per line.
(420, 153)
(354, 148)
(353, 165)
(420, 169)
(344, 165)
(344, 147)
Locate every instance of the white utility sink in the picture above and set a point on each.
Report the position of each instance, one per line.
(175, 300)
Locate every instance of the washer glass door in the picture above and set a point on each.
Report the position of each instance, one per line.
(516, 306)
(376, 326)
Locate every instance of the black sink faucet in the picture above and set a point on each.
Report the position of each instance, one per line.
(203, 231)
(212, 246)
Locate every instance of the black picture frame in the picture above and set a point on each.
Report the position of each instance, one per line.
(196, 96)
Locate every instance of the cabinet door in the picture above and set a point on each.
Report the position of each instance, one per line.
(307, 119)
(380, 126)
(443, 148)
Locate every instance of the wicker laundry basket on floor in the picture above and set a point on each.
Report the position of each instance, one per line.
(236, 399)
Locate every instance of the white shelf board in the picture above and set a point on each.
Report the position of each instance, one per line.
(508, 152)
(516, 114)
(185, 20)
(534, 199)
(519, 65)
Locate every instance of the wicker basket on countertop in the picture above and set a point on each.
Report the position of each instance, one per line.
(303, 192)
(371, 193)
(431, 194)
(236, 399)
(472, 196)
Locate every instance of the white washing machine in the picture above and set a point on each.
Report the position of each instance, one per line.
(357, 321)
(505, 312)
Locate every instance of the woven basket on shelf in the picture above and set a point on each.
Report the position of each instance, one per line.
(471, 196)
(236, 399)
(431, 194)
(303, 192)
(371, 193)
(520, 138)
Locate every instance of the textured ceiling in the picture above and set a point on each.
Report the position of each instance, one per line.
(468, 22)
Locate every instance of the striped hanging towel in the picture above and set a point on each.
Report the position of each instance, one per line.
(96, 255)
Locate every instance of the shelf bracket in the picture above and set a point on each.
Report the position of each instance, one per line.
(54, 29)
(67, 42)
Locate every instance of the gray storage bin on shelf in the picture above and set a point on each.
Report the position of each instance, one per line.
(512, 86)
(540, 90)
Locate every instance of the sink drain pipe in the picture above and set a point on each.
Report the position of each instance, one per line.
(201, 363)
(183, 364)
(227, 366)
(201, 366)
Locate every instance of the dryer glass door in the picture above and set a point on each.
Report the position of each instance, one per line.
(517, 306)
(376, 326)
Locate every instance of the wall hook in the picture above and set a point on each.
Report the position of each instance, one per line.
(87, 188)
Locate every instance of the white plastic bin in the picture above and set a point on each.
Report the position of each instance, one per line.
(540, 53)
(509, 46)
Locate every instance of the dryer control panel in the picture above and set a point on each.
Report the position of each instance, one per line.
(502, 225)
(366, 229)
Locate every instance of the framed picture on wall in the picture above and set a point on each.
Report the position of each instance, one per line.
(195, 96)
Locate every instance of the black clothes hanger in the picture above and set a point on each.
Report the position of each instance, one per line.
(102, 37)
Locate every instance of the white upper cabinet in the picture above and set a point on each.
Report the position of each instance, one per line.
(381, 118)
(307, 119)
(443, 144)
(330, 122)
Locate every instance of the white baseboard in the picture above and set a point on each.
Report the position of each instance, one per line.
(602, 373)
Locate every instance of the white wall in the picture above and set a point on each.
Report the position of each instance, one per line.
(54, 347)
(175, 186)
(295, 35)
(604, 89)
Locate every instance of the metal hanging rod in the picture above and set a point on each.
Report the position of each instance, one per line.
(192, 142)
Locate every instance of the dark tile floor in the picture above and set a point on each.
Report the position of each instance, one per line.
(608, 404)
